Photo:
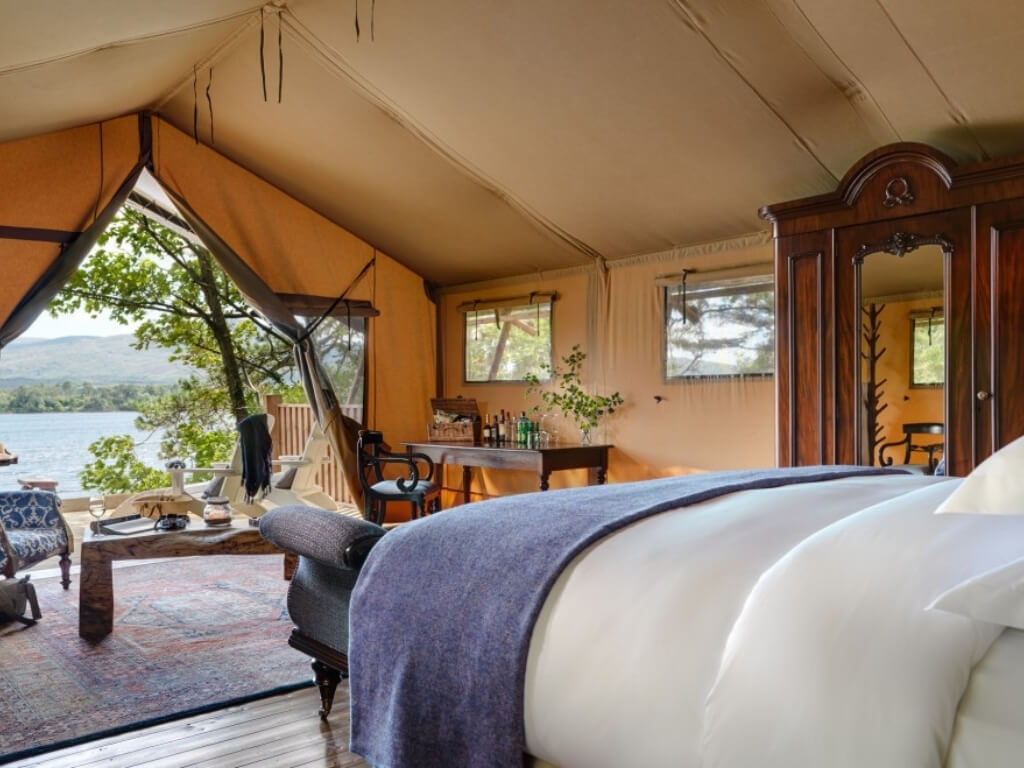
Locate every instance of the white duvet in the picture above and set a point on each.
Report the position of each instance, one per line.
(770, 628)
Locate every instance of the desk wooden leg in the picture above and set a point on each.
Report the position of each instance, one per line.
(467, 481)
(596, 475)
(96, 596)
(544, 480)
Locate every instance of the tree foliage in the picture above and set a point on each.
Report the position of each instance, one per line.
(172, 289)
(116, 469)
(720, 332)
(508, 344)
(144, 273)
(67, 397)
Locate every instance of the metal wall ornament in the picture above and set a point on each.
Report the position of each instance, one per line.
(898, 192)
(901, 244)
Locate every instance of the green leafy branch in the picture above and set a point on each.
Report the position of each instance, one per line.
(570, 397)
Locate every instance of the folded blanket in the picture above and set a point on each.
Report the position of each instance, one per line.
(443, 611)
(257, 448)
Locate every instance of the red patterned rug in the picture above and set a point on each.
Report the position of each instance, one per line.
(190, 635)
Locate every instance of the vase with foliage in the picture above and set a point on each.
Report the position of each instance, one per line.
(570, 398)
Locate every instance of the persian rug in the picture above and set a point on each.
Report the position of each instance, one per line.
(190, 635)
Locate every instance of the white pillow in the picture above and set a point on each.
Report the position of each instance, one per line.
(995, 487)
(996, 597)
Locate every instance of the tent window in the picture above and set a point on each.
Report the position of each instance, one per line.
(342, 351)
(927, 348)
(720, 328)
(504, 343)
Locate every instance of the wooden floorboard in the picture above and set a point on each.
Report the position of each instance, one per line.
(279, 731)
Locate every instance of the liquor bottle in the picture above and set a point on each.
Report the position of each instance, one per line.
(502, 428)
(494, 431)
(485, 432)
(524, 429)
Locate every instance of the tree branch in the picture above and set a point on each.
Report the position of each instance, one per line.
(155, 306)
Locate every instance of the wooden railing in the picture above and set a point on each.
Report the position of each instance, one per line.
(292, 424)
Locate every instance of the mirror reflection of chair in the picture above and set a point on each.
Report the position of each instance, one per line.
(420, 490)
(910, 445)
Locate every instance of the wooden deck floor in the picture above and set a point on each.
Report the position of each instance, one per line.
(279, 732)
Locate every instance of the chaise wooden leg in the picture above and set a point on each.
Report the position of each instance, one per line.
(327, 679)
(65, 570)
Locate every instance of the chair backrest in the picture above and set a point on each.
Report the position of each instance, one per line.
(367, 451)
(313, 454)
(347, 432)
(232, 486)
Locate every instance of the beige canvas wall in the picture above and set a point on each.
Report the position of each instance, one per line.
(57, 181)
(697, 426)
(295, 250)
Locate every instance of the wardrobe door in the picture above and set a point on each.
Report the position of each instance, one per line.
(803, 365)
(999, 326)
(941, 281)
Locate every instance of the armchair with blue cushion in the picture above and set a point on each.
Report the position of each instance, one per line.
(31, 530)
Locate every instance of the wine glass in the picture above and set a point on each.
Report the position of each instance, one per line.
(97, 508)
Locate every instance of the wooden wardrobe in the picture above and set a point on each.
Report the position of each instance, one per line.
(893, 200)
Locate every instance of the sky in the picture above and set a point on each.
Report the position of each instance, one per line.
(77, 324)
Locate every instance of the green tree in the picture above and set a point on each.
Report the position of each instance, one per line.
(174, 291)
(116, 469)
(145, 273)
(720, 331)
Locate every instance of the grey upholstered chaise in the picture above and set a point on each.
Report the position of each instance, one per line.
(331, 549)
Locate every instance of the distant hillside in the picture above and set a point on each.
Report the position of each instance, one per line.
(84, 359)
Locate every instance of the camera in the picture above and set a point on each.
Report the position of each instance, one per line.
(172, 522)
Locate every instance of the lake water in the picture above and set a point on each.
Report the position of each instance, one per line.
(57, 444)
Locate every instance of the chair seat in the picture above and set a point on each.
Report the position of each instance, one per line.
(390, 488)
(32, 546)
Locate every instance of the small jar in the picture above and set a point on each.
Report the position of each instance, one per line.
(217, 511)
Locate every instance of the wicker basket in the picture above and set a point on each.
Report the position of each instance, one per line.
(459, 431)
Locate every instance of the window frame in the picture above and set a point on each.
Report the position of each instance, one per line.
(364, 368)
(937, 312)
(541, 374)
(724, 281)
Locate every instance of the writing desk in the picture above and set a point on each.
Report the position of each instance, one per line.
(543, 461)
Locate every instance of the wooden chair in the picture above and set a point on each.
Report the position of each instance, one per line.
(909, 431)
(421, 491)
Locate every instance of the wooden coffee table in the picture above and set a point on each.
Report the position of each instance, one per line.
(96, 591)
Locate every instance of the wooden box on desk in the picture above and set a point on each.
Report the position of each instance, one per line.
(457, 431)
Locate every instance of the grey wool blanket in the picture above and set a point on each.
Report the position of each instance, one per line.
(443, 611)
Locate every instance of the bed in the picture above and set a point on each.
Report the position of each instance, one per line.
(813, 668)
(782, 626)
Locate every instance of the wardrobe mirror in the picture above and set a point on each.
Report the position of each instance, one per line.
(903, 353)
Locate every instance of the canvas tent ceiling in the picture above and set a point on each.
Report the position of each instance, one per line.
(477, 140)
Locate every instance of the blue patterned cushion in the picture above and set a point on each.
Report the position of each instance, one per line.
(33, 529)
(32, 546)
(30, 509)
